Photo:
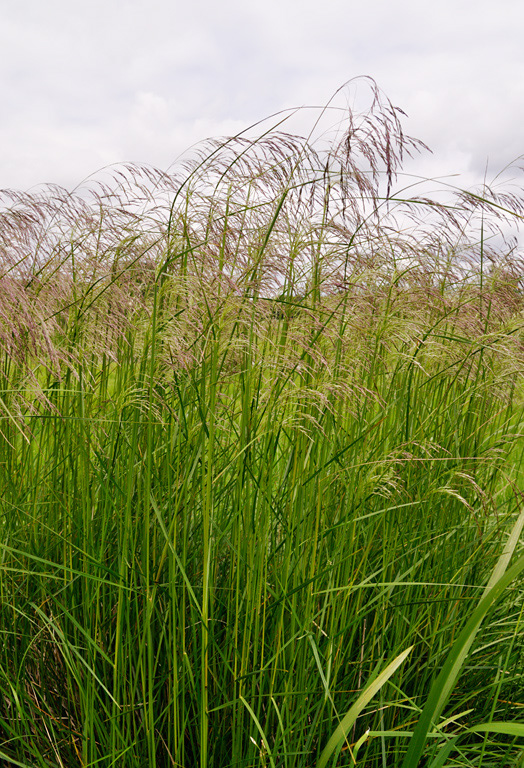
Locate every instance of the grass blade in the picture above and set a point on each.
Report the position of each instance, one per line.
(447, 678)
(337, 739)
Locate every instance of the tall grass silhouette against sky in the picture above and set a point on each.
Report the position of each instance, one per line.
(261, 461)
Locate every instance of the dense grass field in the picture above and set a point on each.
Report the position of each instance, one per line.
(261, 464)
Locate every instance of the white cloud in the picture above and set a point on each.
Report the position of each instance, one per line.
(85, 84)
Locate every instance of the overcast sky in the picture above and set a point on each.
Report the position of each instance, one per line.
(87, 84)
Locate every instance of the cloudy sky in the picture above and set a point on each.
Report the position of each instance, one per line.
(87, 84)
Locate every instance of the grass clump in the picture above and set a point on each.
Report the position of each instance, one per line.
(260, 435)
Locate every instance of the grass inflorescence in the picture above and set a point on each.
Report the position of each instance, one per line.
(260, 464)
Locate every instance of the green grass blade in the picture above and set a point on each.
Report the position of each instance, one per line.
(507, 729)
(337, 739)
(446, 680)
(260, 730)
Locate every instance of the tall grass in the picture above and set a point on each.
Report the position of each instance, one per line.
(260, 435)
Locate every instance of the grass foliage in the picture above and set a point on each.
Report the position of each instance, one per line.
(260, 454)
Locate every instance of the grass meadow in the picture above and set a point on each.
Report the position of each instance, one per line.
(261, 463)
